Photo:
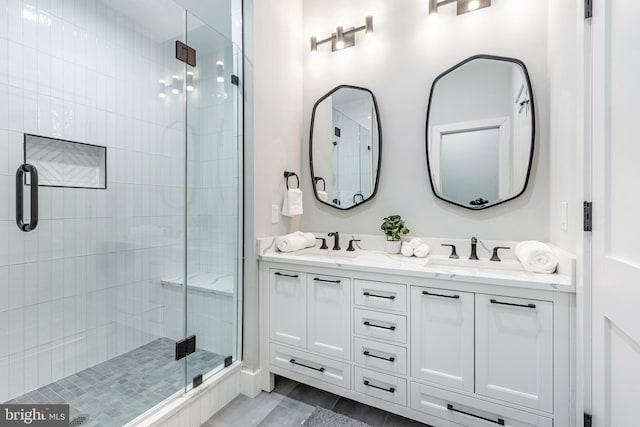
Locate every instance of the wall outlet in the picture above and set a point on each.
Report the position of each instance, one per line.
(564, 216)
(275, 214)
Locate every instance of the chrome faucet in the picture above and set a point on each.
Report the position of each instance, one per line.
(336, 240)
(474, 243)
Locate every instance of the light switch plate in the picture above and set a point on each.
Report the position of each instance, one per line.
(275, 214)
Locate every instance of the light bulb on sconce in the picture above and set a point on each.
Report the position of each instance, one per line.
(220, 67)
(368, 27)
(433, 10)
(340, 37)
(176, 85)
(162, 89)
(473, 5)
(190, 81)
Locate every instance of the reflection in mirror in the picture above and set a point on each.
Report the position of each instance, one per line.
(480, 132)
(344, 147)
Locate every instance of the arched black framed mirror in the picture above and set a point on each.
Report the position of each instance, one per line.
(480, 132)
(345, 147)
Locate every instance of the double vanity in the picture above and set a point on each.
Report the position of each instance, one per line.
(443, 341)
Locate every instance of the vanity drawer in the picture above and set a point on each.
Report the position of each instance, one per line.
(284, 359)
(386, 296)
(382, 386)
(376, 355)
(469, 411)
(391, 327)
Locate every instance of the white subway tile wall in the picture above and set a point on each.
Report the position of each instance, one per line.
(85, 285)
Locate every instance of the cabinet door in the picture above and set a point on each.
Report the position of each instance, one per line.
(329, 303)
(288, 307)
(442, 337)
(514, 350)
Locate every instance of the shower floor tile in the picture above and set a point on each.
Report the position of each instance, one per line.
(116, 391)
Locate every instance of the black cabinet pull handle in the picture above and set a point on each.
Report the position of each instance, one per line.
(367, 294)
(373, 325)
(440, 295)
(500, 421)
(317, 279)
(513, 305)
(33, 221)
(368, 384)
(390, 359)
(306, 366)
(277, 273)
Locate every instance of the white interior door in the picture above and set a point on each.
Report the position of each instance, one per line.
(616, 200)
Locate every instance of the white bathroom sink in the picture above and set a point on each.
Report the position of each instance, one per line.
(326, 253)
(481, 264)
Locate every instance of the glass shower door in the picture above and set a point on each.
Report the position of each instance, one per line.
(214, 114)
(91, 299)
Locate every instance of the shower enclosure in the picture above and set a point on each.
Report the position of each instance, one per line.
(120, 207)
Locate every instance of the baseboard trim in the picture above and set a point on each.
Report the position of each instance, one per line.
(250, 382)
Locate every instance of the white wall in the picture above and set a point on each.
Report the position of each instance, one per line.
(566, 147)
(274, 43)
(399, 65)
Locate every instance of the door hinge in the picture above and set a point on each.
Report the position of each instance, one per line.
(588, 9)
(235, 80)
(588, 420)
(185, 347)
(185, 53)
(587, 211)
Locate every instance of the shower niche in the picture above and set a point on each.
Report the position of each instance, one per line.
(63, 163)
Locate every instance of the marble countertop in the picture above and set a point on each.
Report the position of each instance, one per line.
(509, 272)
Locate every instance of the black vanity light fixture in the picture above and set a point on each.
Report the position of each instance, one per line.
(344, 38)
(464, 6)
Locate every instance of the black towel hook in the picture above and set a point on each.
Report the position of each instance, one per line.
(324, 183)
(286, 178)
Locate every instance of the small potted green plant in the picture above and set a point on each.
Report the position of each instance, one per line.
(394, 228)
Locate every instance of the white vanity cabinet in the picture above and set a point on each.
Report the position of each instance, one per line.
(288, 307)
(514, 350)
(329, 315)
(440, 350)
(442, 337)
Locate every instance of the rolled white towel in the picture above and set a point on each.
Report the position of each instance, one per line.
(415, 242)
(536, 257)
(294, 241)
(310, 239)
(406, 249)
(422, 251)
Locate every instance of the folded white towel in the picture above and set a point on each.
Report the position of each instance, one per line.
(406, 249)
(422, 251)
(536, 257)
(295, 241)
(292, 204)
(322, 195)
(415, 242)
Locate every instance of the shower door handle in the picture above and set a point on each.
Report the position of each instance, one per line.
(33, 221)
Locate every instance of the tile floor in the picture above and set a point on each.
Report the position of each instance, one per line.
(291, 403)
(116, 391)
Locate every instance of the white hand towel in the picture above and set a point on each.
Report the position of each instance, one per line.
(415, 242)
(422, 251)
(536, 257)
(322, 195)
(406, 249)
(292, 202)
(295, 241)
